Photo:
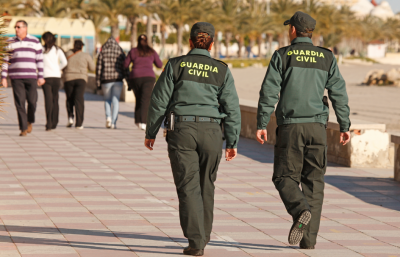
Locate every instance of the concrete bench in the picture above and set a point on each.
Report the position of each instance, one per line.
(369, 146)
(396, 142)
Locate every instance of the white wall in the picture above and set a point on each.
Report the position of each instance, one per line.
(377, 51)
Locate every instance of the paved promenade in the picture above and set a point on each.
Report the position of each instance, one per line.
(100, 192)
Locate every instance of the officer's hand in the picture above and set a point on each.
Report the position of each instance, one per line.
(345, 137)
(260, 133)
(4, 82)
(149, 143)
(230, 154)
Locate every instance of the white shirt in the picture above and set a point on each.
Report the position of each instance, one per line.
(54, 61)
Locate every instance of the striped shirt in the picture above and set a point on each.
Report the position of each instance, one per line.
(26, 59)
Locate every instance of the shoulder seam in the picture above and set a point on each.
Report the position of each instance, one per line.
(220, 62)
(324, 48)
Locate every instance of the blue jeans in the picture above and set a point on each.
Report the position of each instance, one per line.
(112, 93)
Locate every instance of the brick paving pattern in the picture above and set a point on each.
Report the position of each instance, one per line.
(99, 192)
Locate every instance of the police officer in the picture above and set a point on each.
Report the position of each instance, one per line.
(300, 73)
(196, 93)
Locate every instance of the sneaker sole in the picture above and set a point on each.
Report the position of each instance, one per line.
(296, 232)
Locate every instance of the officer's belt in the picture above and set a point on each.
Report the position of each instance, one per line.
(195, 118)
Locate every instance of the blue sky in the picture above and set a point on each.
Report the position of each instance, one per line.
(395, 5)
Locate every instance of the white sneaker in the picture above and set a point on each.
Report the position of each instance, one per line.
(81, 127)
(108, 123)
(70, 122)
(139, 125)
(113, 126)
(143, 126)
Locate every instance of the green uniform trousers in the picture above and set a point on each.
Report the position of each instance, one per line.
(195, 150)
(300, 157)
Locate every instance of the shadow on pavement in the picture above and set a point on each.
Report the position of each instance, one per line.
(383, 192)
(70, 233)
(128, 114)
(256, 151)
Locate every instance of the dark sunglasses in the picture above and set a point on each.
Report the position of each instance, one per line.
(18, 27)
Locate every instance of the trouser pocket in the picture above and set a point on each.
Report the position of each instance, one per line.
(315, 155)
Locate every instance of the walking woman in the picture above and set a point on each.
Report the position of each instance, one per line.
(54, 61)
(142, 78)
(76, 77)
(110, 72)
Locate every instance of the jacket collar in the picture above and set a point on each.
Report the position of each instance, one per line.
(301, 40)
(199, 52)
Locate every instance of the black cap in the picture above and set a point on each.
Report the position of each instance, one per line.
(302, 22)
(202, 27)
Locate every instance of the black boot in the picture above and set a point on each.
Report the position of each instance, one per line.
(191, 251)
(296, 232)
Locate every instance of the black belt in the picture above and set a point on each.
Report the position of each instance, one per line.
(195, 118)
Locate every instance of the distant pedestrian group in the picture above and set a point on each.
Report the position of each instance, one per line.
(31, 64)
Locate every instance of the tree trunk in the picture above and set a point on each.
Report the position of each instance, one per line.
(163, 41)
(96, 40)
(115, 31)
(270, 38)
(149, 29)
(252, 43)
(285, 39)
(216, 46)
(179, 35)
(133, 37)
(240, 43)
(228, 37)
(128, 26)
(259, 42)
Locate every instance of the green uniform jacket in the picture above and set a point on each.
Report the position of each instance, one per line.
(300, 73)
(196, 85)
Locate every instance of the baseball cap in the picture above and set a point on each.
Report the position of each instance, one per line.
(202, 27)
(302, 22)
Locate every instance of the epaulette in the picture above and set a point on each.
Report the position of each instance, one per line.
(221, 62)
(324, 48)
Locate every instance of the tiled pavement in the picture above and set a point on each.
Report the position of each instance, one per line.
(99, 192)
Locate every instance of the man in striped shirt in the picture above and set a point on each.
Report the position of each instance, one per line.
(25, 70)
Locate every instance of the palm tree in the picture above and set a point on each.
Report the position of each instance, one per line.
(110, 9)
(282, 10)
(48, 8)
(166, 18)
(181, 12)
(257, 23)
(133, 12)
(15, 7)
(230, 17)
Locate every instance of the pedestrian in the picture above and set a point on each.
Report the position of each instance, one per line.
(110, 72)
(26, 73)
(75, 80)
(196, 93)
(300, 73)
(142, 78)
(54, 61)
